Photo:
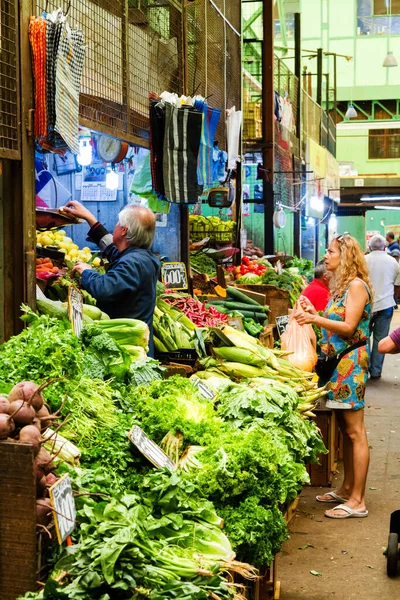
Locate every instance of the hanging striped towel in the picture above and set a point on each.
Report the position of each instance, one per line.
(181, 152)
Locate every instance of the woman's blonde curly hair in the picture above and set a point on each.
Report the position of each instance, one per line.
(352, 265)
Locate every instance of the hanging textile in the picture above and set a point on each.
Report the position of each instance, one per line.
(54, 28)
(37, 38)
(57, 62)
(210, 122)
(157, 128)
(233, 126)
(181, 152)
(69, 68)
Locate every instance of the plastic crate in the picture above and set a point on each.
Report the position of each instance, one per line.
(186, 357)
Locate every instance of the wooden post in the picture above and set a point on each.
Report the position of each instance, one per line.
(17, 520)
(268, 123)
(297, 72)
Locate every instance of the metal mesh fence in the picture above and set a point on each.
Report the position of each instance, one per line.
(133, 48)
(9, 92)
(311, 121)
(214, 55)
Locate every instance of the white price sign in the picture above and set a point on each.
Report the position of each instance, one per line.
(204, 390)
(174, 275)
(63, 502)
(149, 449)
(75, 309)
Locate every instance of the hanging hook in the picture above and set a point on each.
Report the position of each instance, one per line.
(69, 6)
(46, 7)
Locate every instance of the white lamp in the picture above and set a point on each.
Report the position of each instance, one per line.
(112, 179)
(390, 60)
(351, 112)
(84, 157)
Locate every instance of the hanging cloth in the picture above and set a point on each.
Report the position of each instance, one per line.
(233, 126)
(181, 153)
(69, 67)
(157, 128)
(53, 34)
(210, 122)
(37, 38)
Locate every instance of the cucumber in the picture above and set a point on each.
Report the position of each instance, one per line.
(240, 297)
(241, 305)
(52, 308)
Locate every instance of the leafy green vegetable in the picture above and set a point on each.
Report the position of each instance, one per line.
(103, 357)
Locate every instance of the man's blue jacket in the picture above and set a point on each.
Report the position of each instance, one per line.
(128, 289)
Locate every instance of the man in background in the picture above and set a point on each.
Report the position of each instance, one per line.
(393, 248)
(384, 272)
(318, 291)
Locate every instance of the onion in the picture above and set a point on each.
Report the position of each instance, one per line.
(28, 391)
(22, 413)
(7, 426)
(4, 406)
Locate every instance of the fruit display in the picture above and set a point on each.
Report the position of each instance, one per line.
(212, 227)
(61, 242)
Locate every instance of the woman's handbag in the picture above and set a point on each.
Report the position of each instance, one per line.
(326, 365)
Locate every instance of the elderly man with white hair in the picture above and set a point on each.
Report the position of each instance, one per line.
(128, 288)
(384, 272)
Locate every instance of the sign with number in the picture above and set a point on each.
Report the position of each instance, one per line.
(149, 449)
(203, 389)
(173, 274)
(63, 502)
(282, 324)
(75, 309)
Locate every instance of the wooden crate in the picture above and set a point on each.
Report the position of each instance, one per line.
(321, 475)
(17, 520)
(277, 299)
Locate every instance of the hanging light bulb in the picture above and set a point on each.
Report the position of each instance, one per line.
(332, 227)
(390, 60)
(85, 148)
(351, 112)
(112, 179)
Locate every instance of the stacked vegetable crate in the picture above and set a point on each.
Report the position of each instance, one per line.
(276, 298)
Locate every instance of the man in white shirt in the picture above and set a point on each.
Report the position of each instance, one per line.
(384, 272)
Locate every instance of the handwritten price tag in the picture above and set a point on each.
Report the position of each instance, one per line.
(63, 502)
(174, 275)
(75, 309)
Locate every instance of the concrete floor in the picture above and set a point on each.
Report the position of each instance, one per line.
(348, 554)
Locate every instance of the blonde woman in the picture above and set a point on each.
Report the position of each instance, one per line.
(346, 324)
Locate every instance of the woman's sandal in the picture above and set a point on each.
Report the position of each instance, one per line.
(333, 498)
(351, 513)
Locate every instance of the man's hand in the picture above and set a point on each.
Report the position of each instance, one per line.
(76, 210)
(79, 267)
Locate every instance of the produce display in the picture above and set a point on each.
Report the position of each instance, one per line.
(142, 532)
(304, 267)
(261, 272)
(200, 262)
(196, 311)
(59, 240)
(238, 304)
(45, 269)
(212, 227)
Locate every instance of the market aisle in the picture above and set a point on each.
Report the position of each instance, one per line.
(348, 554)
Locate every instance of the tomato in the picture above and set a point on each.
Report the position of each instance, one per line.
(244, 269)
(245, 260)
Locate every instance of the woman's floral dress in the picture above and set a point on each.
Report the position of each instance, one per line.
(347, 384)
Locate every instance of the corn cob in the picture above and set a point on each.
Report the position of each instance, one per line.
(241, 355)
(239, 370)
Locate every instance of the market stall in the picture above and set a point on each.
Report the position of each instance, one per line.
(227, 448)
